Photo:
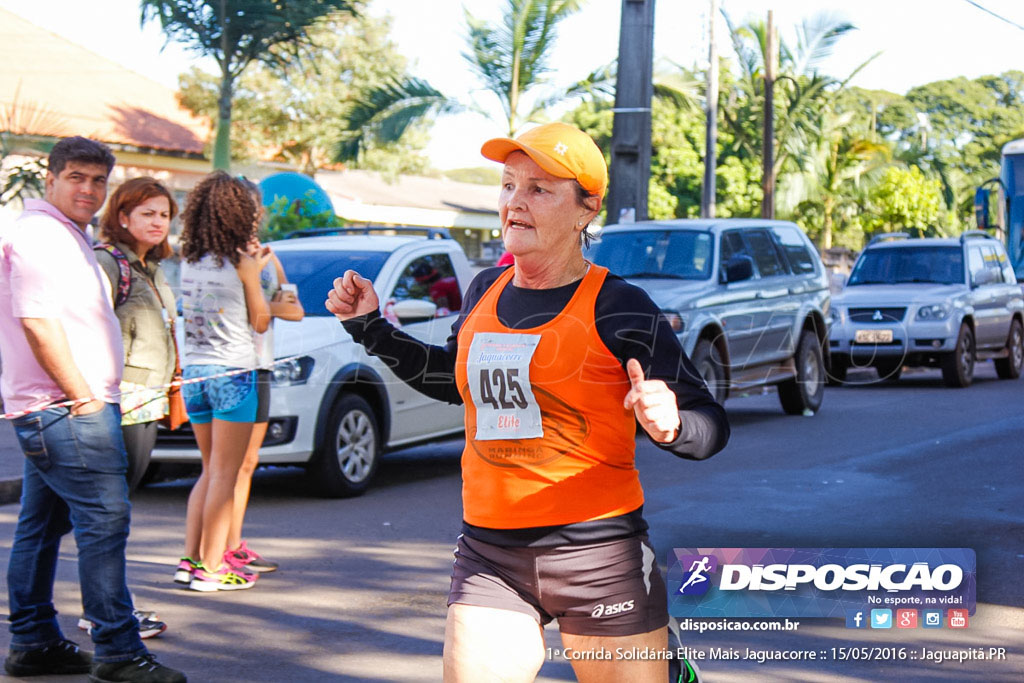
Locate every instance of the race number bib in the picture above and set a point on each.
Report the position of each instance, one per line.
(498, 370)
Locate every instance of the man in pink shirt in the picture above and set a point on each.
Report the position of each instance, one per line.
(60, 340)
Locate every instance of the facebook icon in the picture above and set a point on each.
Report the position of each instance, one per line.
(855, 618)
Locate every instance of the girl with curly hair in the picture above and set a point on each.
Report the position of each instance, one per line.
(223, 305)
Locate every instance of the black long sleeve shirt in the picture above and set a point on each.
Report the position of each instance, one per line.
(629, 324)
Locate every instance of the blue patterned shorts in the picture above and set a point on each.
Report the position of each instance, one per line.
(231, 399)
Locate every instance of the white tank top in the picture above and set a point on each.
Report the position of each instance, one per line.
(265, 341)
(217, 330)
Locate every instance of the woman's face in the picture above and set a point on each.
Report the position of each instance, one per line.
(539, 212)
(149, 222)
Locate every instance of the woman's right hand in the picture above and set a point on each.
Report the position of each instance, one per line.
(352, 296)
(251, 262)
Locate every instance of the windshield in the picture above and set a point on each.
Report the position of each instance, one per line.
(895, 265)
(314, 272)
(672, 254)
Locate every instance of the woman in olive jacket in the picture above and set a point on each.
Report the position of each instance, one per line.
(134, 231)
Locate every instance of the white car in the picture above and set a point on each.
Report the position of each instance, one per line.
(333, 407)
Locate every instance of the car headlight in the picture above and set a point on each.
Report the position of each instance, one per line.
(293, 371)
(835, 315)
(933, 312)
(675, 321)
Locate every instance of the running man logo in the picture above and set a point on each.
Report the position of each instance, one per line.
(696, 581)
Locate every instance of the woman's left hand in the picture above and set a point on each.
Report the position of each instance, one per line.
(653, 403)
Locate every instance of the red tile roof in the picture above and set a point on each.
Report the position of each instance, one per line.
(52, 87)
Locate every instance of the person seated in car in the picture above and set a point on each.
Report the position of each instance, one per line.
(443, 291)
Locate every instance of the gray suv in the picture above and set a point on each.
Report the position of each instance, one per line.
(747, 297)
(930, 302)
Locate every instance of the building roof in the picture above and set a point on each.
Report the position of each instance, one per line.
(370, 187)
(51, 87)
(367, 196)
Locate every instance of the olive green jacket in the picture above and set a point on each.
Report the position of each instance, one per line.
(148, 346)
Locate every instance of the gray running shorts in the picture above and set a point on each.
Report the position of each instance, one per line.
(612, 588)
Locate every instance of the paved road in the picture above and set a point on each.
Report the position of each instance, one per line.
(362, 590)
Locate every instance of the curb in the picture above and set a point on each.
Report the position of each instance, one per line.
(10, 491)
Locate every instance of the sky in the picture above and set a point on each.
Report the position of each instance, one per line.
(919, 41)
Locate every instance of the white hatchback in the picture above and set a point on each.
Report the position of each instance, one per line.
(333, 407)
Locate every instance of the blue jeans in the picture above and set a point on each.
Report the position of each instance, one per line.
(74, 480)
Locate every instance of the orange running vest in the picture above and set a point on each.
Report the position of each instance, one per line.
(582, 468)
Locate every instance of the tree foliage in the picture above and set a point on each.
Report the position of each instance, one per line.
(285, 217)
(905, 199)
(296, 113)
(511, 56)
(237, 33)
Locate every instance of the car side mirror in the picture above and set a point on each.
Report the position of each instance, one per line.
(984, 277)
(981, 201)
(738, 268)
(414, 310)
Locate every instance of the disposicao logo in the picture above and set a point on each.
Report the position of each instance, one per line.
(696, 581)
(819, 582)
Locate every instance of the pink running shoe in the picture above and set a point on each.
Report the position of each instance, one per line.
(249, 560)
(183, 574)
(224, 579)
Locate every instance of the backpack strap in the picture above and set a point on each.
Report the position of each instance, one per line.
(124, 268)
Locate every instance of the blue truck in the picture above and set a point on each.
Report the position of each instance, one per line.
(1009, 194)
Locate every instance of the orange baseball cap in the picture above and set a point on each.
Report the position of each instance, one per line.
(562, 150)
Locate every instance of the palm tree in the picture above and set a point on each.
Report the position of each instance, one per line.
(236, 33)
(511, 57)
(800, 90)
(385, 112)
(835, 167)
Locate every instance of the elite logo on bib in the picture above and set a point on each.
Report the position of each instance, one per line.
(498, 371)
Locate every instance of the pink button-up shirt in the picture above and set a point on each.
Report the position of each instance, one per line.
(48, 270)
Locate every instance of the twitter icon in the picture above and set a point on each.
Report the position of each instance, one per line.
(881, 618)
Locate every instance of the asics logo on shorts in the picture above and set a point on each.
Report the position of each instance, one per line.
(612, 609)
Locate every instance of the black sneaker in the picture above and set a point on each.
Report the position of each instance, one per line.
(143, 669)
(63, 657)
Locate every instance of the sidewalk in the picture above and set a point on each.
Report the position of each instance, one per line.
(11, 465)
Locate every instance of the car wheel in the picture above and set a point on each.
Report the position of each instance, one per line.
(806, 390)
(836, 372)
(709, 365)
(958, 367)
(348, 457)
(1010, 367)
(889, 372)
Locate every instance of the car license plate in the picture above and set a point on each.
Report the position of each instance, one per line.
(873, 337)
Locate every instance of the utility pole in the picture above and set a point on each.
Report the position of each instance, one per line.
(707, 198)
(768, 141)
(631, 131)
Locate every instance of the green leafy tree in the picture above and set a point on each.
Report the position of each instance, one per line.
(293, 113)
(511, 56)
(839, 162)
(383, 114)
(237, 33)
(22, 153)
(511, 59)
(905, 199)
(677, 135)
(285, 217)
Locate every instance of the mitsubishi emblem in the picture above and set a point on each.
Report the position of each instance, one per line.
(877, 317)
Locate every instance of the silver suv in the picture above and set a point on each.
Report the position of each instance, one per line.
(929, 302)
(747, 297)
